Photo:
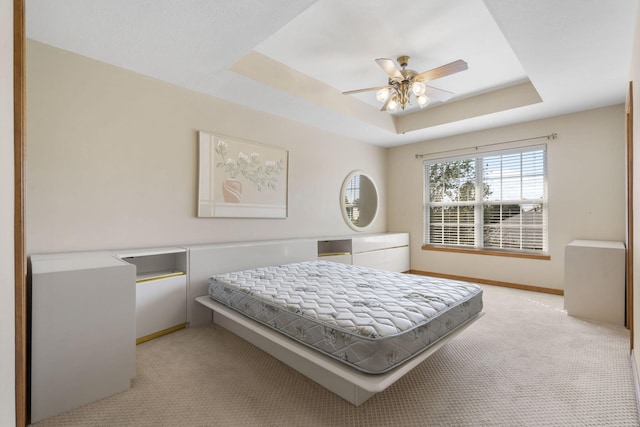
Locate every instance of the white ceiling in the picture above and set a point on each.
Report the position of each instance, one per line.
(528, 59)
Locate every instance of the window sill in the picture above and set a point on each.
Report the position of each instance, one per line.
(543, 257)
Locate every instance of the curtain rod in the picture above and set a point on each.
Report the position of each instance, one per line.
(550, 136)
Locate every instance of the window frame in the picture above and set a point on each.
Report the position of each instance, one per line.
(479, 204)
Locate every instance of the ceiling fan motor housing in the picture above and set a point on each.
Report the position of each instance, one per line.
(403, 60)
(407, 75)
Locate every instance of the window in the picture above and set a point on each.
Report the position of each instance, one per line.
(493, 201)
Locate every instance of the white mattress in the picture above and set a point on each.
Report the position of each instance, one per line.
(370, 319)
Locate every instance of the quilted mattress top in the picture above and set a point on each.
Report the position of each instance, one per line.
(371, 304)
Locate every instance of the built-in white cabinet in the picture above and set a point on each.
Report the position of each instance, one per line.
(384, 251)
(82, 330)
(594, 285)
(387, 251)
(161, 290)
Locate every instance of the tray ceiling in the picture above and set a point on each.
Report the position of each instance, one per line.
(293, 58)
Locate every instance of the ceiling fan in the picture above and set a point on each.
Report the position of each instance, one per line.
(403, 82)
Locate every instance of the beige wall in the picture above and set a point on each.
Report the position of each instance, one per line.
(586, 189)
(112, 161)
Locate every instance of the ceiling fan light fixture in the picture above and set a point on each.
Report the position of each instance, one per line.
(418, 88)
(423, 101)
(383, 94)
(403, 84)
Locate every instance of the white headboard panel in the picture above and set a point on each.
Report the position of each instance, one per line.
(206, 260)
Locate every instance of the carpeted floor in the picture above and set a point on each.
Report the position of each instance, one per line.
(525, 363)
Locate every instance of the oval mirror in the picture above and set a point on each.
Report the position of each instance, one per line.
(359, 200)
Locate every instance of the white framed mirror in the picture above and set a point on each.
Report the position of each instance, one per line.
(359, 200)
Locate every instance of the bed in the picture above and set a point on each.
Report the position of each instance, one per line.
(354, 330)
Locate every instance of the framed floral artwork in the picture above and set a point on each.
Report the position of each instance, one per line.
(241, 179)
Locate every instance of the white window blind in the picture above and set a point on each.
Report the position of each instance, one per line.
(492, 200)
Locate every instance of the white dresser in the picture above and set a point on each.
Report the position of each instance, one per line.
(384, 251)
(82, 331)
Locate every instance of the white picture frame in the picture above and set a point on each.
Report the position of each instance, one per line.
(241, 179)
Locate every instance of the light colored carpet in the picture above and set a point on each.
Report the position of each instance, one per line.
(525, 363)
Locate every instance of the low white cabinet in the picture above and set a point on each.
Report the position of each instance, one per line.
(595, 280)
(82, 330)
(161, 305)
(384, 251)
(161, 290)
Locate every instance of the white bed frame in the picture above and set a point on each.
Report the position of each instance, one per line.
(348, 383)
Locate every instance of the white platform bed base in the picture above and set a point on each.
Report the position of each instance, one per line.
(352, 385)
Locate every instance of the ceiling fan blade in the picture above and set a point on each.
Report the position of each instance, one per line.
(350, 92)
(445, 70)
(437, 94)
(390, 68)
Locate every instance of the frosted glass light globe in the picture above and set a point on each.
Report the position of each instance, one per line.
(382, 94)
(423, 101)
(393, 104)
(418, 88)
